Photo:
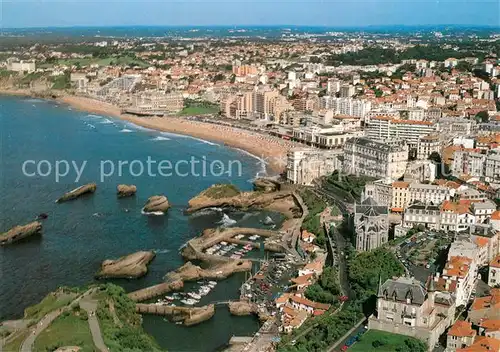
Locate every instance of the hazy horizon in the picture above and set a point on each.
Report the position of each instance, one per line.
(173, 13)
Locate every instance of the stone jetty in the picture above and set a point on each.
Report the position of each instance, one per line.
(156, 204)
(17, 233)
(188, 316)
(131, 266)
(78, 192)
(126, 190)
(156, 290)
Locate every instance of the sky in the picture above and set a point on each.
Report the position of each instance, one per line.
(352, 13)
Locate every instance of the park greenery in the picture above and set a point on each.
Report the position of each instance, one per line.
(348, 187)
(378, 55)
(328, 328)
(69, 329)
(219, 191)
(196, 107)
(367, 268)
(381, 341)
(326, 289)
(120, 324)
(312, 222)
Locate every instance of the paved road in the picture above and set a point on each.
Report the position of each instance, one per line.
(27, 344)
(90, 306)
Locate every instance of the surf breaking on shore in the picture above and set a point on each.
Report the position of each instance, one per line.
(257, 145)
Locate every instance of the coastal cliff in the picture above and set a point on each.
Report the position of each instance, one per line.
(17, 233)
(78, 192)
(131, 266)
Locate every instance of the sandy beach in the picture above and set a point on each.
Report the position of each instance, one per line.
(273, 150)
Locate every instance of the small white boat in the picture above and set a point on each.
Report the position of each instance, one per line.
(169, 298)
(194, 295)
(223, 243)
(210, 283)
(189, 301)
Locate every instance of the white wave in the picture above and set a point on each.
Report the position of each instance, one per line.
(160, 138)
(263, 165)
(206, 211)
(33, 105)
(161, 251)
(106, 122)
(226, 221)
(70, 109)
(34, 100)
(125, 130)
(156, 213)
(204, 141)
(95, 116)
(90, 125)
(140, 128)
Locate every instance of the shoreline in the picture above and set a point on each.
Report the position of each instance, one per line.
(271, 150)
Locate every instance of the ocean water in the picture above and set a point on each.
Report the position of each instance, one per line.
(79, 235)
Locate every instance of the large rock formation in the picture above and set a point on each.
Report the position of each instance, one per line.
(266, 185)
(243, 308)
(131, 266)
(189, 316)
(228, 196)
(191, 272)
(126, 190)
(156, 204)
(19, 232)
(78, 192)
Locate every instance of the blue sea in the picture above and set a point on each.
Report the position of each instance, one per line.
(79, 235)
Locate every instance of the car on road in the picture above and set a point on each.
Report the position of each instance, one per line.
(344, 348)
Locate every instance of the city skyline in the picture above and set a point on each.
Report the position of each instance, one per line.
(245, 13)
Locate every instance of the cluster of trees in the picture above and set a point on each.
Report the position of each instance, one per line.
(366, 268)
(377, 55)
(312, 222)
(326, 289)
(129, 336)
(349, 187)
(329, 329)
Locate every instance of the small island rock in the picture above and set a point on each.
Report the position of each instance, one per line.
(131, 266)
(156, 204)
(126, 190)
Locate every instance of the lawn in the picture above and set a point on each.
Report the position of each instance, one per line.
(15, 344)
(199, 110)
(51, 302)
(70, 329)
(381, 341)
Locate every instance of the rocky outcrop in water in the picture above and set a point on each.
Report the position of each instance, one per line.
(266, 185)
(131, 266)
(218, 196)
(19, 232)
(188, 316)
(156, 204)
(78, 192)
(126, 190)
(191, 272)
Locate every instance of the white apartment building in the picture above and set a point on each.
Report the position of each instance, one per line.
(492, 167)
(324, 137)
(410, 131)
(346, 106)
(363, 156)
(462, 267)
(427, 145)
(16, 65)
(468, 162)
(305, 165)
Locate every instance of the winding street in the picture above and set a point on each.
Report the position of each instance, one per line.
(90, 306)
(27, 344)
